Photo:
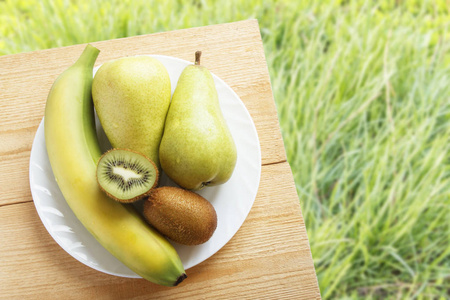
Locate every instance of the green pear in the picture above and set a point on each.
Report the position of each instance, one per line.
(197, 148)
(131, 96)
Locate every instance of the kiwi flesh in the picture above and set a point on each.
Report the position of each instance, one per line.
(181, 215)
(125, 175)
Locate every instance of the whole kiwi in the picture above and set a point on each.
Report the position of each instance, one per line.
(181, 215)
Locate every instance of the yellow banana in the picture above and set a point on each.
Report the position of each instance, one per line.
(73, 151)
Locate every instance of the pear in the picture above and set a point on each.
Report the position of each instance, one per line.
(131, 96)
(197, 148)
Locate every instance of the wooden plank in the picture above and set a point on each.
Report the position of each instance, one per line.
(232, 51)
(268, 258)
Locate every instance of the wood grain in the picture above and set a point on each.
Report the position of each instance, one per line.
(269, 257)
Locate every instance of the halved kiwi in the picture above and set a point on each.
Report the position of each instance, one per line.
(126, 175)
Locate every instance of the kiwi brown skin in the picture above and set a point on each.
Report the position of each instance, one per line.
(139, 197)
(181, 215)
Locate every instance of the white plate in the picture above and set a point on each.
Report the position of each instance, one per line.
(232, 200)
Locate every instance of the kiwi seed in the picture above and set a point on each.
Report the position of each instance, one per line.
(126, 175)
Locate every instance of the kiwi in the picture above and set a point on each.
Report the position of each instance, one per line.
(126, 175)
(181, 215)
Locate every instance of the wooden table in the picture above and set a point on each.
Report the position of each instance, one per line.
(268, 258)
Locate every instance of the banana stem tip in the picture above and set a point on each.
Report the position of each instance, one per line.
(180, 279)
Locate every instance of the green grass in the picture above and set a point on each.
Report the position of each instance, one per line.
(363, 96)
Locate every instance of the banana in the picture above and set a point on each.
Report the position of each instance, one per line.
(73, 151)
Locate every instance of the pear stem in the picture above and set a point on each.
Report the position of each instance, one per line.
(197, 57)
